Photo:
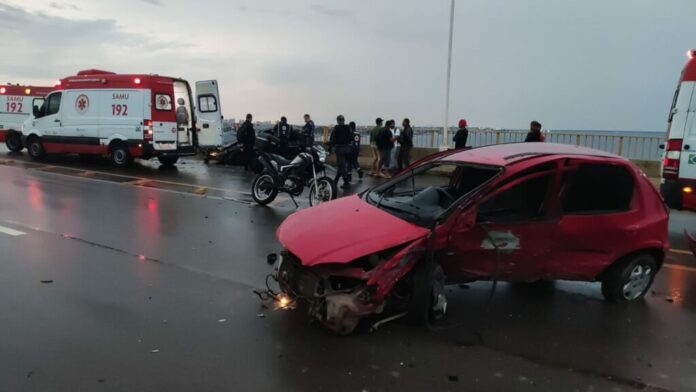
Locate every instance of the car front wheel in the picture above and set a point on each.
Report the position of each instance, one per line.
(428, 300)
(629, 279)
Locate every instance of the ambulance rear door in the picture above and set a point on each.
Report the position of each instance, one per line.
(163, 116)
(685, 120)
(209, 116)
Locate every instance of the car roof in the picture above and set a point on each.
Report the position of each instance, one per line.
(507, 154)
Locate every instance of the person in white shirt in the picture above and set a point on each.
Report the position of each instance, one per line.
(395, 150)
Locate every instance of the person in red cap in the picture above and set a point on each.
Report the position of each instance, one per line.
(461, 135)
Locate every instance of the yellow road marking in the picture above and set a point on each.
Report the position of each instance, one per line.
(201, 190)
(681, 252)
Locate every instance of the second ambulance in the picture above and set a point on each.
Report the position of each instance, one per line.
(122, 116)
(678, 185)
(16, 103)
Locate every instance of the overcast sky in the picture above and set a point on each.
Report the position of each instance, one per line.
(571, 64)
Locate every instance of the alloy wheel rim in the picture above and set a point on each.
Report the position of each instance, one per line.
(638, 281)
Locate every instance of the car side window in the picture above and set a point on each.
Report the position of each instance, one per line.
(524, 201)
(53, 104)
(596, 188)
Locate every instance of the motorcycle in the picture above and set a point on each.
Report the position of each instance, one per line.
(292, 176)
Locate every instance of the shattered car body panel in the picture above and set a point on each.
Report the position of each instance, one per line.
(518, 212)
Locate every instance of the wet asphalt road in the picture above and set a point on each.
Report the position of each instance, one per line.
(147, 285)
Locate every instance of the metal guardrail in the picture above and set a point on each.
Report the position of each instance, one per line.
(632, 147)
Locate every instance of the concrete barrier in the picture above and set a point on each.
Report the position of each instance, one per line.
(651, 168)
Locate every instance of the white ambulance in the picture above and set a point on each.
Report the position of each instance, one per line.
(123, 117)
(16, 103)
(678, 184)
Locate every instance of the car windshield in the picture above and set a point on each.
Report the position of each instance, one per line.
(424, 193)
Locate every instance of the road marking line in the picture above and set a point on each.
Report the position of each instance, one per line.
(680, 267)
(681, 252)
(8, 231)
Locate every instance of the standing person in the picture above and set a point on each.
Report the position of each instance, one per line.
(354, 164)
(462, 135)
(406, 141)
(373, 146)
(282, 131)
(394, 156)
(534, 134)
(385, 144)
(247, 136)
(341, 138)
(307, 139)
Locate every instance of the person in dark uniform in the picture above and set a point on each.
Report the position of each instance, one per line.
(307, 139)
(406, 141)
(282, 131)
(354, 164)
(534, 134)
(462, 135)
(340, 140)
(247, 136)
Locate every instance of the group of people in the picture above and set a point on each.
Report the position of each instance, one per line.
(246, 135)
(386, 141)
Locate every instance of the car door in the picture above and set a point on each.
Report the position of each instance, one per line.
(211, 132)
(507, 234)
(49, 122)
(597, 215)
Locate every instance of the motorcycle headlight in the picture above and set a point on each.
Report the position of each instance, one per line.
(322, 156)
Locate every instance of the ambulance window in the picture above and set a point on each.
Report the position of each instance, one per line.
(163, 102)
(53, 104)
(207, 103)
(37, 104)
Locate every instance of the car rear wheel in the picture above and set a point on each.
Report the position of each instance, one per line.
(120, 156)
(263, 189)
(428, 300)
(629, 279)
(14, 141)
(168, 161)
(35, 148)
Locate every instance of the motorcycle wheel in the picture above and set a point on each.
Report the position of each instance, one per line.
(322, 191)
(263, 189)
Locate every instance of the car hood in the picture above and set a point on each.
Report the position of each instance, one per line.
(343, 230)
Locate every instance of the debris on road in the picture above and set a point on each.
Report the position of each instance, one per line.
(47, 281)
(155, 351)
(260, 315)
(222, 320)
(669, 299)
(453, 378)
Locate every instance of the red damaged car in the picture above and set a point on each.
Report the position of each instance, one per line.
(513, 212)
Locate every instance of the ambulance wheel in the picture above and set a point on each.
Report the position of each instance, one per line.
(168, 161)
(14, 141)
(119, 155)
(35, 148)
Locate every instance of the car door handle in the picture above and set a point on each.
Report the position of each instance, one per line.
(687, 147)
(56, 120)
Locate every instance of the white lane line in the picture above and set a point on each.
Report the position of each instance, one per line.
(13, 232)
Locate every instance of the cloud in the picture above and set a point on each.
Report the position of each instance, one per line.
(63, 6)
(328, 11)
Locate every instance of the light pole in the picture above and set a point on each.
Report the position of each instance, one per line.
(445, 128)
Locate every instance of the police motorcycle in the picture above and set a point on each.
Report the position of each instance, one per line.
(292, 176)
